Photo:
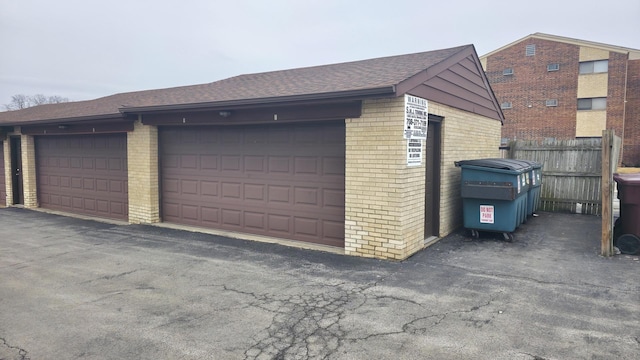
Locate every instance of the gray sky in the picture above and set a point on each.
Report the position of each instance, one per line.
(84, 49)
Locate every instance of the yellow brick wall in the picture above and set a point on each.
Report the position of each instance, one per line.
(591, 123)
(591, 54)
(464, 136)
(384, 198)
(593, 85)
(29, 181)
(142, 164)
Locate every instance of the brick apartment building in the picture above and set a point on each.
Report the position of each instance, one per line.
(562, 88)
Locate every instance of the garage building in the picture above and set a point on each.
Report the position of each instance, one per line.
(320, 155)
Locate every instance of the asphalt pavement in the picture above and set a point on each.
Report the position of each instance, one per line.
(82, 289)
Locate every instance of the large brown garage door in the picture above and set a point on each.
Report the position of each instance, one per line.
(3, 187)
(284, 181)
(83, 174)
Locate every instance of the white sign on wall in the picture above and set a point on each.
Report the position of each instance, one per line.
(415, 117)
(414, 152)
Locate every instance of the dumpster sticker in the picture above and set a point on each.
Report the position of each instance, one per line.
(415, 117)
(486, 214)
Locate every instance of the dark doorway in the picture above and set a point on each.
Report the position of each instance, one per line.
(16, 171)
(432, 178)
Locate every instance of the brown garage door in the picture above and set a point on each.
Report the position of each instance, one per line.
(83, 174)
(3, 187)
(284, 181)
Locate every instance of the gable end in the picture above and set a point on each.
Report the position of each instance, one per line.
(459, 82)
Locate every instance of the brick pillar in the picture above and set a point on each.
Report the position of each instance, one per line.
(29, 181)
(7, 173)
(384, 198)
(142, 161)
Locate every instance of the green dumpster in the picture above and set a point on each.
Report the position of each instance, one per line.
(535, 186)
(494, 195)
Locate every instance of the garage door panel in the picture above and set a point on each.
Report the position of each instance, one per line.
(211, 215)
(230, 163)
(102, 206)
(279, 164)
(83, 174)
(209, 188)
(189, 187)
(333, 198)
(170, 211)
(189, 212)
(333, 166)
(333, 230)
(232, 217)
(254, 220)
(254, 163)
(279, 181)
(90, 204)
(208, 162)
(279, 193)
(306, 226)
(254, 192)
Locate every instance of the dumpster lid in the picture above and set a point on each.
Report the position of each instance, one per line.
(505, 164)
(533, 164)
(627, 179)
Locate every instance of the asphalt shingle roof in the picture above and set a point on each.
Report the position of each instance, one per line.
(325, 79)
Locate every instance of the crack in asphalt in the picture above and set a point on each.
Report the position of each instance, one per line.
(22, 353)
(303, 326)
(310, 325)
(475, 272)
(534, 357)
(111, 277)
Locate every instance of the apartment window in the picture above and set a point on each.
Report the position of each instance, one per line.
(598, 66)
(507, 71)
(530, 50)
(551, 102)
(506, 105)
(592, 103)
(553, 67)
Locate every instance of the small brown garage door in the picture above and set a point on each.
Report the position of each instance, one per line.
(83, 174)
(3, 187)
(283, 181)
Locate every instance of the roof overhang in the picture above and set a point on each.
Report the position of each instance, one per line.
(94, 119)
(340, 96)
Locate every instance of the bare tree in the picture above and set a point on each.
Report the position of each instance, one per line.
(57, 99)
(21, 101)
(38, 99)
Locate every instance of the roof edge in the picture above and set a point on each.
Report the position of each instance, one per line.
(339, 95)
(567, 40)
(112, 116)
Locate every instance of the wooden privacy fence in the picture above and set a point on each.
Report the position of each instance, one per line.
(571, 171)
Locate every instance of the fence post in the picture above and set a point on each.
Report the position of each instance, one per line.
(606, 248)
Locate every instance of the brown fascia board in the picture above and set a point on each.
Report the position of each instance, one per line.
(88, 119)
(386, 91)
